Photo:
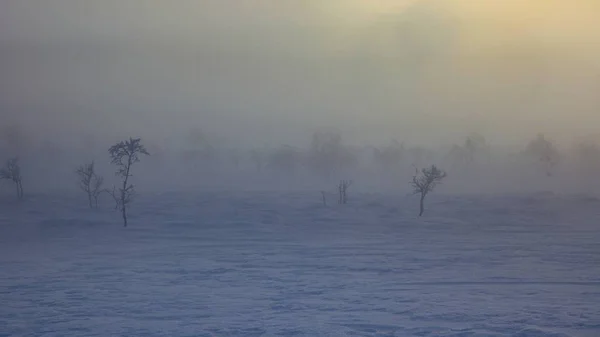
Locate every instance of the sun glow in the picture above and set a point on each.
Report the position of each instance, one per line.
(363, 11)
(380, 7)
(552, 19)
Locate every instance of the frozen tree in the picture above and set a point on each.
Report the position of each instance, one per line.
(12, 171)
(425, 181)
(124, 154)
(463, 156)
(343, 191)
(324, 198)
(328, 154)
(473, 144)
(90, 182)
(543, 151)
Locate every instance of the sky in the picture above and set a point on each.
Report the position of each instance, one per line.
(272, 72)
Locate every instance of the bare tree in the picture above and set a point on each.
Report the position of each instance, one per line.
(124, 154)
(97, 188)
(12, 171)
(544, 151)
(327, 153)
(473, 144)
(343, 191)
(425, 181)
(85, 173)
(90, 182)
(324, 198)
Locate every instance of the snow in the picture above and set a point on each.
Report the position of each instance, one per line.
(281, 264)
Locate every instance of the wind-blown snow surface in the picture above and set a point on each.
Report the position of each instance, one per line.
(281, 264)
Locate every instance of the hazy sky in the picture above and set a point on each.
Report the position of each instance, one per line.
(269, 72)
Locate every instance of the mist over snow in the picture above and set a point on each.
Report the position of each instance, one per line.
(78, 77)
(256, 114)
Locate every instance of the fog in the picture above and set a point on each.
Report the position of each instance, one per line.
(260, 74)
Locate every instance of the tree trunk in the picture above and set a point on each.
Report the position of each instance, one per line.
(90, 199)
(124, 212)
(20, 193)
(422, 205)
(123, 205)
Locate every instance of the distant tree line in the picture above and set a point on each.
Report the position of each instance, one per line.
(326, 156)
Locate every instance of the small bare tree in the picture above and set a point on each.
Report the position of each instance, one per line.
(90, 182)
(425, 181)
(324, 198)
(545, 152)
(474, 144)
(124, 154)
(12, 171)
(343, 191)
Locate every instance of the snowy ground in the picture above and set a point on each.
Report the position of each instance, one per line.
(277, 264)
